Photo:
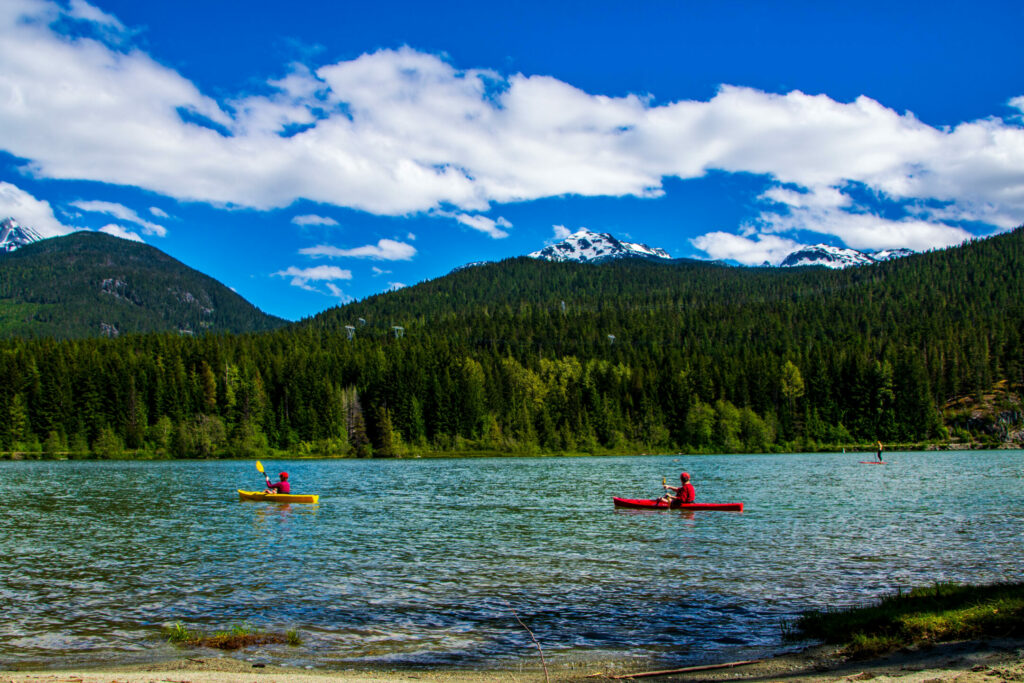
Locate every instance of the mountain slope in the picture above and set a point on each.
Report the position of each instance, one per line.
(13, 235)
(835, 257)
(951, 318)
(528, 356)
(584, 246)
(91, 284)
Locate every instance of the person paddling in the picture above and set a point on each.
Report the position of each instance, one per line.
(279, 487)
(879, 451)
(684, 493)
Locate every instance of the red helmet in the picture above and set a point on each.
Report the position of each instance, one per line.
(685, 476)
(284, 475)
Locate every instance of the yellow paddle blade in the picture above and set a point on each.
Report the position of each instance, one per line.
(259, 466)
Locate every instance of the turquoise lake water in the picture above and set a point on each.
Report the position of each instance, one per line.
(420, 563)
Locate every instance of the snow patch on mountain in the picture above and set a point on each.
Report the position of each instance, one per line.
(13, 235)
(837, 257)
(584, 246)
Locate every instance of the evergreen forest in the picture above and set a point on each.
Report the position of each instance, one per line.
(532, 357)
(89, 284)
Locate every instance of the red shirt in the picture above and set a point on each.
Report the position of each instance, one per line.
(685, 493)
(281, 487)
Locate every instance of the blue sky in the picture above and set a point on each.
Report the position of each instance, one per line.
(307, 154)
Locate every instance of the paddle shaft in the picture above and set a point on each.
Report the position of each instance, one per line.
(259, 466)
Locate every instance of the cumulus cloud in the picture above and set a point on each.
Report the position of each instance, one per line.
(311, 219)
(396, 132)
(31, 212)
(158, 212)
(494, 228)
(122, 232)
(384, 250)
(866, 231)
(301, 277)
(751, 251)
(121, 212)
(560, 233)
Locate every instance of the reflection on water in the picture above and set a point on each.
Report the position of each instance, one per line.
(421, 563)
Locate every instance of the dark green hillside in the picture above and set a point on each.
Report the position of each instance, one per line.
(643, 357)
(89, 284)
(958, 313)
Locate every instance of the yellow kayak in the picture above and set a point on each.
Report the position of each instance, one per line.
(276, 497)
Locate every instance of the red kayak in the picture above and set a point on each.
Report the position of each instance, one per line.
(872, 462)
(647, 504)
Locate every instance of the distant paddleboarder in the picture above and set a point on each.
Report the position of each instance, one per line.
(879, 444)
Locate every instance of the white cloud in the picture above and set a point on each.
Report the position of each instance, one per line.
(751, 252)
(337, 293)
(301, 277)
(816, 197)
(379, 271)
(158, 212)
(81, 10)
(121, 212)
(491, 227)
(866, 231)
(395, 286)
(824, 214)
(30, 212)
(384, 250)
(396, 132)
(119, 231)
(411, 237)
(560, 233)
(310, 219)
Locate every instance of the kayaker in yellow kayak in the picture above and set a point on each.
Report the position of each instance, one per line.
(279, 487)
(684, 493)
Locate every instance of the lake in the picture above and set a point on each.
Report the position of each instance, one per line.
(427, 563)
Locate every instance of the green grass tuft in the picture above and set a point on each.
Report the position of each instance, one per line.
(942, 612)
(178, 633)
(237, 637)
(236, 631)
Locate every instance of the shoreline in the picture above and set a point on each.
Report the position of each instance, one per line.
(962, 661)
(830, 449)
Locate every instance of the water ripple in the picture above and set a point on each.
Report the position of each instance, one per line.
(426, 563)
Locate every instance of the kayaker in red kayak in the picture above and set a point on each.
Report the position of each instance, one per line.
(281, 486)
(680, 494)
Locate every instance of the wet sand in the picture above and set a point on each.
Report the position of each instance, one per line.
(964, 662)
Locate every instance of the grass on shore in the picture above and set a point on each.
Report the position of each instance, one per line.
(942, 612)
(236, 638)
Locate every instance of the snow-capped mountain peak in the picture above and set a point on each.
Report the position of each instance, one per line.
(585, 246)
(837, 257)
(13, 235)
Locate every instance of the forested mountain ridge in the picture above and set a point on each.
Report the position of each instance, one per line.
(680, 356)
(91, 284)
(903, 336)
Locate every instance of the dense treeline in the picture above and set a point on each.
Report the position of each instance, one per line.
(640, 356)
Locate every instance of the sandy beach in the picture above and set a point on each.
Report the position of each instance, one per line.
(963, 662)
